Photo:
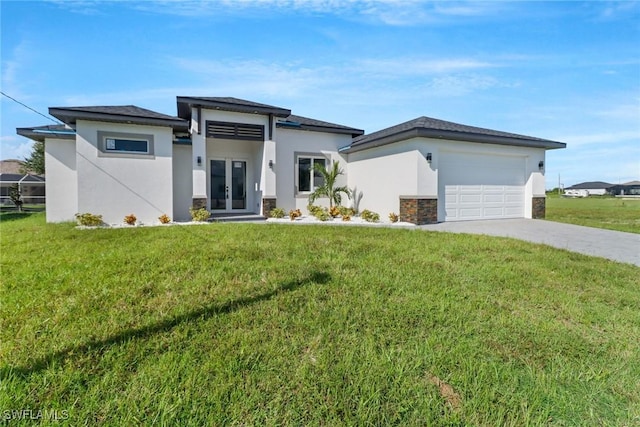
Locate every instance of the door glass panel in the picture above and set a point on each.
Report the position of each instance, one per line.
(238, 184)
(218, 185)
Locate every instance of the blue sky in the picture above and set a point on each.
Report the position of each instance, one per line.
(566, 71)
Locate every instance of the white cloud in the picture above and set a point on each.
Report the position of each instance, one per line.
(629, 112)
(13, 147)
(402, 66)
(601, 138)
(386, 12)
(459, 85)
(13, 68)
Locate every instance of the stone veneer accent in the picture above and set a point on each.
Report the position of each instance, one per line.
(419, 210)
(268, 204)
(199, 202)
(538, 207)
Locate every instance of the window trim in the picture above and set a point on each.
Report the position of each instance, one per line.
(306, 155)
(104, 152)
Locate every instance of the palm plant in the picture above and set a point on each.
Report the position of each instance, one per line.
(328, 188)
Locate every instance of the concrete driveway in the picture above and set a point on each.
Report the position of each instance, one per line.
(613, 245)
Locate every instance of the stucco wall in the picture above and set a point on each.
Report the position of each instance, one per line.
(61, 179)
(288, 143)
(117, 186)
(387, 172)
(400, 169)
(182, 182)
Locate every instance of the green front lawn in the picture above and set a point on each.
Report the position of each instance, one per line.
(267, 324)
(600, 212)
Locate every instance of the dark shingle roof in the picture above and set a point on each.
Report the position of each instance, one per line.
(305, 123)
(39, 133)
(441, 129)
(10, 178)
(592, 185)
(227, 104)
(116, 113)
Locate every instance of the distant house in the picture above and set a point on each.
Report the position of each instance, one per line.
(593, 188)
(31, 187)
(631, 188)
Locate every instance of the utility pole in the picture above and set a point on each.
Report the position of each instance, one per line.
(559, 191)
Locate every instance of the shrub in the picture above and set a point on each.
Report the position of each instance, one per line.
(313, 209)
(276, 213)
(89, 219)
(322, 214)
(293, 214)
(346, 217)
(369, 216)
(334, 211)
(345, 211)
(164, 219)
(199, 215)
(130, 219)
(393, 217)
(16, 196)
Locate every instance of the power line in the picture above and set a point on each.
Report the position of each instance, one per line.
(32, 109)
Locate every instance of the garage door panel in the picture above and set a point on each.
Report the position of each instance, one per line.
(482, 186)
(493, 198)
(469, 198)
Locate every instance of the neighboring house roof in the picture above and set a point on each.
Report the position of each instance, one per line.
(118, 114)
(226, 104)
(14, 178)
(592, 185)
(305, 123)
(433, 128)
(11, 166)
(39, 133)
(632, 183)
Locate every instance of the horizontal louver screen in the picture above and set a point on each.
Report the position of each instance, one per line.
(228, 130)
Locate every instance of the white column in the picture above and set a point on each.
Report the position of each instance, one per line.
(268, 178)
(199, 162)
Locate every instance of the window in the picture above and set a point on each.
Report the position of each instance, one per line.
(127, 145)
(120, 144)
(308, 178)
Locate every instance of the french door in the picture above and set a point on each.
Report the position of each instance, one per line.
(228, 185)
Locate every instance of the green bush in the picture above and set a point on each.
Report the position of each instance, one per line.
(89, 219)
(199, 215)
(276, 213)
(322, 214)
(313, 209)
(369, 216)
(345, 211)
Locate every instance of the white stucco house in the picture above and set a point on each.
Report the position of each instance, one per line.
(230, 155)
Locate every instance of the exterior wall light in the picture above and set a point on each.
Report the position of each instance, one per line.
(541, 165)
(429, 157)
(199, 160)
(271, 164)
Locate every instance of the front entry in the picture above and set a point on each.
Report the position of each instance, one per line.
(228, 185)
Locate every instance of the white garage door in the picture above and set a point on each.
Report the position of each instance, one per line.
(478, 186)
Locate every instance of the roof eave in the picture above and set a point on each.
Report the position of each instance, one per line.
(71, 116)
(40, 135)
(353, 132)
(188, 101)
(455, 136)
